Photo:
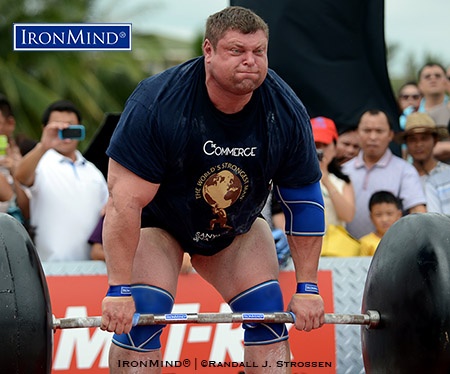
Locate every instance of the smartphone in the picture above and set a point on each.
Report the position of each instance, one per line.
(3, 145)
(74, 132)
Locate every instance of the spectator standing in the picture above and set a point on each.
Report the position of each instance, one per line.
(437, 191)
(7, 128)
(377, 168)
(18, 205)
(433, 84)
(337, 189)
(409, 96)
(347, 145)
(68, 192)
(408, 100)
(385, 209)
(421, 134)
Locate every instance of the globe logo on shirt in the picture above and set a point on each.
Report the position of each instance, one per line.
(220, 191)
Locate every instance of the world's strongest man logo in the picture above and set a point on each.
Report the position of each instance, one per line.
(221, 187)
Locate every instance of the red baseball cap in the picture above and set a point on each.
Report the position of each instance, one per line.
(324, 130)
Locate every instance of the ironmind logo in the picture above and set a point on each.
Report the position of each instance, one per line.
(72, 37)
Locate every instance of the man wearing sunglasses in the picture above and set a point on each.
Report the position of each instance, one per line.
(409, 95)
(433, 84)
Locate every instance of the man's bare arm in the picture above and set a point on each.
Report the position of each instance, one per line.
(128, 194)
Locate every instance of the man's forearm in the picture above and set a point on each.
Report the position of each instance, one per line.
(27, 166)
(305, 252)
(120, 239)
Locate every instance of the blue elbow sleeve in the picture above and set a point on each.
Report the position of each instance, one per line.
(303, 208)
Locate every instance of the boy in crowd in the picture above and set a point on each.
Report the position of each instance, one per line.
(385, 210)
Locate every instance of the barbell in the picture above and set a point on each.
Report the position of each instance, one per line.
(369, 319)
(405, 320)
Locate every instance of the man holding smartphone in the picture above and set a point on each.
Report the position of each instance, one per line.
(67, 191)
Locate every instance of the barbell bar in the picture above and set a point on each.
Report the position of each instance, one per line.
(370, 319)
(407, 284)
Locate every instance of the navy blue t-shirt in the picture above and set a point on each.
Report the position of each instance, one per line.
(215, 170)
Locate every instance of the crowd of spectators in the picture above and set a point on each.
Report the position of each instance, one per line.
(59, 196)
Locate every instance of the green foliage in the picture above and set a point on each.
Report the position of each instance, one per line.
(97, 82)
(412, 66)
(198, 44)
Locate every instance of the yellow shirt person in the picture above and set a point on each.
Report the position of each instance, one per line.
(369, 244)
(385, 210)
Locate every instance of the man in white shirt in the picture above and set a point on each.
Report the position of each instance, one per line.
(67, 191)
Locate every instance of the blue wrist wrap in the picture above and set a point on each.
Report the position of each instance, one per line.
(120, 290)
(307, 288)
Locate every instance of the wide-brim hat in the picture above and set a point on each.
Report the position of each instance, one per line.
(421, 123)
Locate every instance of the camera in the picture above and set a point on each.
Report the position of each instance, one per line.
(74, 132)
(319, 154)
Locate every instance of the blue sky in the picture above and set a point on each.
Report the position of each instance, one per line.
(417, 26)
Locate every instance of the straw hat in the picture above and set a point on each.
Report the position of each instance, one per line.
(421, 123)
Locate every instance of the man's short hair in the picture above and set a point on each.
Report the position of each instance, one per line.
(375, 112)
(233, 18)
(60, 106)
(430, 64)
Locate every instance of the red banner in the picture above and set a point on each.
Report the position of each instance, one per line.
(187, 348)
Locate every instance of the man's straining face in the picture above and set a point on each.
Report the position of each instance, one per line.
(238, 64)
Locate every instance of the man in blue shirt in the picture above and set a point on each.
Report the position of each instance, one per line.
(192, 162)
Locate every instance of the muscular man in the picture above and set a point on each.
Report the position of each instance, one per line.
(210, 135)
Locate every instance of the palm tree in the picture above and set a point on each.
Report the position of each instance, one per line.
(97, 82)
